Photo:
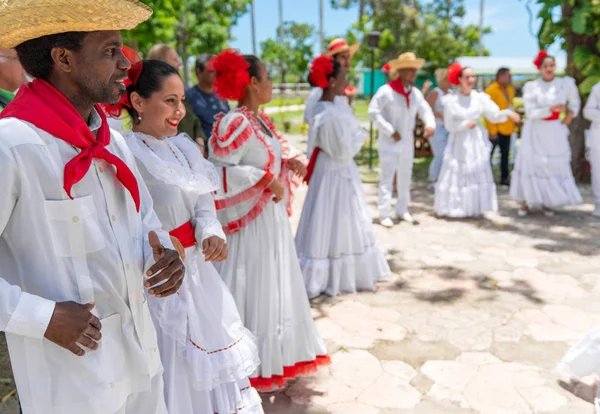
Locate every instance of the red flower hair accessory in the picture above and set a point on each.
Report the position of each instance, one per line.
(454, 71)
(386, 68)
(320, 71)
(540, 58)
(133, 74)
(232, 77)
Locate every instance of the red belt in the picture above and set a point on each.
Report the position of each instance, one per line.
(311, 164)
(554, 117)
(185, 234)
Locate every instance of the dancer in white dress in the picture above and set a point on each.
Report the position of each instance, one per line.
(591, 112)
(542, 174)
(335, 240)
(258, 174)
(466, 186)
(439, 140)
(206, 351)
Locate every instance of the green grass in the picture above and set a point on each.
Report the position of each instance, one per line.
(285, 102)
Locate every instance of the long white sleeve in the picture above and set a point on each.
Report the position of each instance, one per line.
(425, 111)
(313, 98)
(453, 121)
(339, 134)
(533, 109)
(573, 98)
(491, 111)
(375, 112)
(591, 111)
(20, 313)
(206, 222)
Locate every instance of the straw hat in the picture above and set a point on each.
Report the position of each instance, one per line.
(22, 20)
(407, 60)
(337, 46)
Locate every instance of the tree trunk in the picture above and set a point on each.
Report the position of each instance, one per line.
(579, 125)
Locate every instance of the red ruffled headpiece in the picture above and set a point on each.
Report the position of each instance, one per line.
(133, 74)
(320, 71)
(454, 71)
(540, 58)
(386, 67)
(232, 77)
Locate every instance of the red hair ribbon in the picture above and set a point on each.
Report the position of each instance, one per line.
(540, 58)
(133, 74)
(454, 71)
(320, 71)
(232, 77)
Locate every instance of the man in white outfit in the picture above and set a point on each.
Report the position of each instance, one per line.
(394, 109)
(79, 239)
(591, 112)
(341, 52)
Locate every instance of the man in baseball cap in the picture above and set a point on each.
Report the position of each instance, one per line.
(77, 229)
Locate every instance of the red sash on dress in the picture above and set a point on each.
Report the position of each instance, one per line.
(185, 234)
(554, 117)
(312, 164)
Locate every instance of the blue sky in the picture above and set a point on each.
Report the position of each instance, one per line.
(508, 18)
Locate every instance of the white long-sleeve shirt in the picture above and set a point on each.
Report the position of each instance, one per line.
(459, 110)
(93, 248)
(390, 113)
(539, 96)
(591, 111)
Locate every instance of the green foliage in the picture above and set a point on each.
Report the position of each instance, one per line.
(292, 54)
(432, 29)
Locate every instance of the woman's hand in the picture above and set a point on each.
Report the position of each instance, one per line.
(568, 119)
(214, 249)
(277, 189)
(470, 124)
(297, 167)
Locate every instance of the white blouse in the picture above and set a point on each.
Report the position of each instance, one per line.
(539, 96)
(459, 110)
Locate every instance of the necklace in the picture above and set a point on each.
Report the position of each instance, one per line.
(173, 152)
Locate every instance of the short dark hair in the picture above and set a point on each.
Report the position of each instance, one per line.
(337, 66)
(502, 71)
(254, 63)
(154, 72)
(35, 56)
(202, 61)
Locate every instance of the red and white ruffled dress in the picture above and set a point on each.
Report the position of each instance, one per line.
(262, 270)
(205, 349)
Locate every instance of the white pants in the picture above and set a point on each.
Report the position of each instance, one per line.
(593, 144)
(400, 163)
(148, 402)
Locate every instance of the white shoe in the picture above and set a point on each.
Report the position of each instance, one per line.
(522, 212)
(407, 217)
(387, 222)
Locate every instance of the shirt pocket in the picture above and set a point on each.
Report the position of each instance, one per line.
(74, 226)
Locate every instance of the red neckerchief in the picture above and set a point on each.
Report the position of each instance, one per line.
(397, 86)
(42, 105)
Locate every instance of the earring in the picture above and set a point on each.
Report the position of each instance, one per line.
(139, 117)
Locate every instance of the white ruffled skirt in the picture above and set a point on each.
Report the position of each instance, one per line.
(542, 174)
(335, 241)
(206, 352)
(263, 274)
(466, 187)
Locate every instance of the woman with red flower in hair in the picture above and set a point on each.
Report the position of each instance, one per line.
(258, 174)
(542, 174)
(335, 240)
(466, 186)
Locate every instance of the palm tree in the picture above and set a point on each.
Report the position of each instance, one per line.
(253, 26)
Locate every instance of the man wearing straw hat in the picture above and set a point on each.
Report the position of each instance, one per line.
(342, 52)
(394, 109)
(79, 239)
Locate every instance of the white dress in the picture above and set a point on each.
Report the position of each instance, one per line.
(542, 174)
(335, 240)
(466, 186)
(262, 270)
(207, 358)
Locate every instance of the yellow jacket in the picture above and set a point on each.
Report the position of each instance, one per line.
(499, 97)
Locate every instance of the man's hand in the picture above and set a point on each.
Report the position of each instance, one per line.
(396, 136)
(214, 249)
(168, 268)
(277, 189)
(297, 167)
(73, 326)
(428, 133)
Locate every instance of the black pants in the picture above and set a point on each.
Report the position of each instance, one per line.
(503, 141)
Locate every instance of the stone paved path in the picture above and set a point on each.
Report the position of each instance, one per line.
(475, 318)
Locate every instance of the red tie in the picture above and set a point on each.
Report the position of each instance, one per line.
(42, 105)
